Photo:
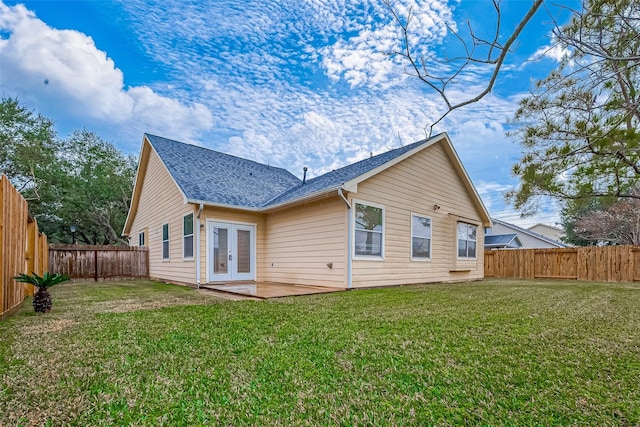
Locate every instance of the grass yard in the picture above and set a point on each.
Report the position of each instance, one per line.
(494, 352)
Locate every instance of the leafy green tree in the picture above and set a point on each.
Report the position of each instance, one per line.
(81, 181)
(28, 150)
(579, 128)
(99, 185)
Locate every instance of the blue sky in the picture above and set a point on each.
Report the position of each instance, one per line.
(290, 83)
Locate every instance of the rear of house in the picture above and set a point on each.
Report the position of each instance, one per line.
(410, 215)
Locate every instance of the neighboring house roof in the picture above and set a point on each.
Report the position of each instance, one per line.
(217, 179)
(529, 233)
(502, 241)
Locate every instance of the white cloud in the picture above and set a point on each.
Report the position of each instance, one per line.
(368, 56)
(64, 69)
(261, 72)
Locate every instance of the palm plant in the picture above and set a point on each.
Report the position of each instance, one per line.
(42, 298)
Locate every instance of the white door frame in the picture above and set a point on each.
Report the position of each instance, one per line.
(233, 227)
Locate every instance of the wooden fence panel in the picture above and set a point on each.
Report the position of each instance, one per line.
(602, 264)
(23, 249)
(636, 264)
(99, 262)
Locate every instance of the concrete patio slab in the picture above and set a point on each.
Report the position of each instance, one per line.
(266, 290)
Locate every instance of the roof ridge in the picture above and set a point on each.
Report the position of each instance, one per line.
(373, 157)
(218, 152)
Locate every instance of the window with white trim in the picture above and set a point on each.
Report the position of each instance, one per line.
(187, 236)
(420, 237)
(165, 241)
(141, 239)
(369, 230)
(467, 240)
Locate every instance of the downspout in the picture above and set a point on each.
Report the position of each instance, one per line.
(198, 244)
(349, 238)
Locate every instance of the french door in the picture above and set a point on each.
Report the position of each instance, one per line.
(231, 251)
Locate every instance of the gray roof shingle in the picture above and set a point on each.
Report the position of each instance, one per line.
(210, 176)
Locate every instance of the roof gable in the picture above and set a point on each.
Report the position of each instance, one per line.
(348, 177)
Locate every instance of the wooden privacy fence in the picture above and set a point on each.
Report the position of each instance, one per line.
(99, 262)
(593, 263)
(23, 249)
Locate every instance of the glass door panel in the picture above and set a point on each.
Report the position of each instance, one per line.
(220, 250)
(243, 238)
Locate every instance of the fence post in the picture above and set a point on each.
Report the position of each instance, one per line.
(95, 262)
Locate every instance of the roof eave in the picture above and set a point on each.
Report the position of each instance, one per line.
(269, 208)
(306, 198)
(223, 205)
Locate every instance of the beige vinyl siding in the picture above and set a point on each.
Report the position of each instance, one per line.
(302, 240)
(232, 216)
(161, 202)
(414, 186)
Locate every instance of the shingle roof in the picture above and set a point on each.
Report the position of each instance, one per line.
(495, 240)
(210, 176)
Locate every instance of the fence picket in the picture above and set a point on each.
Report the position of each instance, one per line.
(23, 248)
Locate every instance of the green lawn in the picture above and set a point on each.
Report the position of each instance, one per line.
(492, 352)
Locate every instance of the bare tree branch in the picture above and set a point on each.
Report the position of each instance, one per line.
(496, 56)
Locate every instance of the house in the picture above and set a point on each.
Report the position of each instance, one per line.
(554, 233)
(410, 215)
(502, 234)
(501, 241)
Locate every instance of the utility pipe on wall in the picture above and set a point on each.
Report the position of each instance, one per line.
(197, 251)
(349, 238)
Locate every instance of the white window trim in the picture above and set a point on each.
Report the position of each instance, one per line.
(193, 234)
(353, 231)
(430, 238)
(144, 239)
(168, 258)
(458, 242)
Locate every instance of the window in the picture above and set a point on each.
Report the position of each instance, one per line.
(187, 233)
(369, 230)
(466, 240)
(165, 241)
(420, 237)
(141, 239)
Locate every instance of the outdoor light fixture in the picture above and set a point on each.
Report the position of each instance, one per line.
(73, 234)
(436, 207)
